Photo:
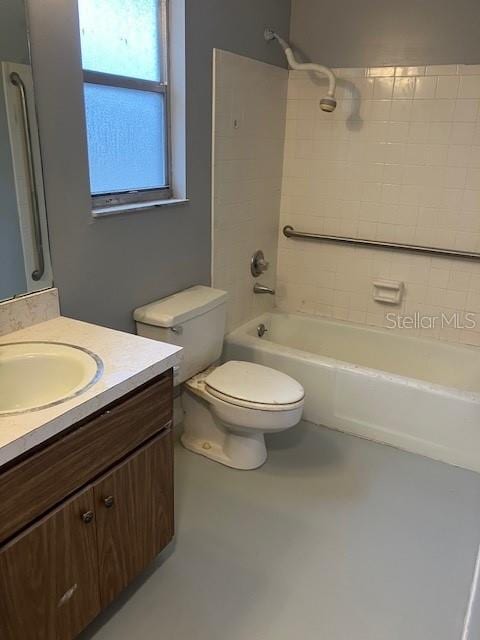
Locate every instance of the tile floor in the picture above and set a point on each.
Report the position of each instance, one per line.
(335, 538)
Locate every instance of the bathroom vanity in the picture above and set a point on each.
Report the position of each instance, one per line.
(101, 502)
(86, 485)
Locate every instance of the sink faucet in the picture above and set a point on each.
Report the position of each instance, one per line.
(260, 288)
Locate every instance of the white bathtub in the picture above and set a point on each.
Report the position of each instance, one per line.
(419, 395)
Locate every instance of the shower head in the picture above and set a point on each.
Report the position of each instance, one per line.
(328, 104)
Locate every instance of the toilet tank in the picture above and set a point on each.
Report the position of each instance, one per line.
(193, 319)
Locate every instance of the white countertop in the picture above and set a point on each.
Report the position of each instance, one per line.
(129, 361)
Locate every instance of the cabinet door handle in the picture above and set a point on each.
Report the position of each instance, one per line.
(87, 517)
(68, 595)
(108, 502)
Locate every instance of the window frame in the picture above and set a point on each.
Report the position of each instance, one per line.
(129, 197)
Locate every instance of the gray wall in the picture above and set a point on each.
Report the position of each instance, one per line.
(12, 270)
(353, 33)
(13, 48)
(105, 268)
(13, 32)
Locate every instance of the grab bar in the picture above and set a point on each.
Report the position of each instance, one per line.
(290, 232)
(17, 81)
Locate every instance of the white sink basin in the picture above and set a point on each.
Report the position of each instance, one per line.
(35, 375)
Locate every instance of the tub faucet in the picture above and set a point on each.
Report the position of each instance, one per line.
(260, 288)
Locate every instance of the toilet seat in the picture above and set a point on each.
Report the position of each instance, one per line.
(253, 386)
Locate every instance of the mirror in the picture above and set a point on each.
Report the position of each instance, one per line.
(24, 256)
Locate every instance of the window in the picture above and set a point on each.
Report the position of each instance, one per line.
(124, 58)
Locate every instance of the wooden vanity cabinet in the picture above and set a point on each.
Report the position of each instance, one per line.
(134, 510)
(59, 572)
(49, 576)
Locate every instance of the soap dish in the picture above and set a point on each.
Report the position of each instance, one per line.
(388, 291)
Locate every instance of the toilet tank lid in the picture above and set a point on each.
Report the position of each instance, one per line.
(180, 307)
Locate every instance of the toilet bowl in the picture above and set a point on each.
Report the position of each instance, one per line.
(229, 409)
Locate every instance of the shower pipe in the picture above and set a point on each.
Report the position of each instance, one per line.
(290, 232)
(328, 103)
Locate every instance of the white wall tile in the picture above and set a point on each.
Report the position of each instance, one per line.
(404, 87)
(410, 71)
(469, 87)
(465, 110)
(399, 160)
(248, 166)
(425, 88)
(447, 87)
(379, 71)
(383, 88)
(442, 70)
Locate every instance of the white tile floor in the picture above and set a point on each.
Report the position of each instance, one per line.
(335, 538)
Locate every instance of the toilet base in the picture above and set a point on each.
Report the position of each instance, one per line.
(205, 434)
(251, 454)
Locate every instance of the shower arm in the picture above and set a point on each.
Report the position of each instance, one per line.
(303, 66)
(312, 66)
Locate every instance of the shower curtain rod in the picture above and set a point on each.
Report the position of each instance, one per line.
(290, 232)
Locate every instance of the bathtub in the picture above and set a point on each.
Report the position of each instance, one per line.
(418, 395)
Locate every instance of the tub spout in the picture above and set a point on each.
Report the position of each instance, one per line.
(260, 288)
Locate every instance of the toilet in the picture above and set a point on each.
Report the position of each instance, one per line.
(228, 407)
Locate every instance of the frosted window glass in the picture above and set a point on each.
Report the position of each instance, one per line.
(126, 139)
(121, 37)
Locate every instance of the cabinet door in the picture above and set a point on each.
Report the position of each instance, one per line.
(49, 576)
(134, 507)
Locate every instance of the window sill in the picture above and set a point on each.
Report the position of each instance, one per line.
(103, 212)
